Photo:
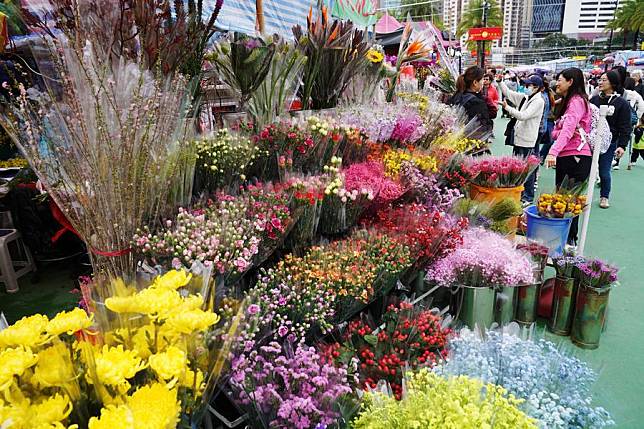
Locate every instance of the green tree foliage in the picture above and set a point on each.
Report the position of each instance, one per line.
(629, 19)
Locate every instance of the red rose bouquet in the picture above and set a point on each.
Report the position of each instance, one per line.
(500, 172)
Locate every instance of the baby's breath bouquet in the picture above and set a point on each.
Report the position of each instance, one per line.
(144, 359)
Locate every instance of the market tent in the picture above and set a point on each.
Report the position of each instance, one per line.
(280, 16)
(361, 12)
(388, 24)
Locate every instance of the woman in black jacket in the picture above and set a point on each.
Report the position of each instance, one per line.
(468, 95)
(618, 115)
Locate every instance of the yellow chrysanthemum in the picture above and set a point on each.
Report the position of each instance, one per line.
(50, 412)
(113, 417)
(69, 322)
(54, 367)
(187, 322)
(375, 56)
(115, 365)
(193, 380)
(154, 407)
(28, 332)
(14, 362)
(192, 302)
(155, 302)
(169, 365)
(173, 280)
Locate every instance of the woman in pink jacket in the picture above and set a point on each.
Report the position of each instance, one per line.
(570, 156)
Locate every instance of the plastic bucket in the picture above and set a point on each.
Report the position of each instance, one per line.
(552, 233)
(494, 195)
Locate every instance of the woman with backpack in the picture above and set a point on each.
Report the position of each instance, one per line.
(468, 96)
(570, 154)
(618, 115)
(523, 129)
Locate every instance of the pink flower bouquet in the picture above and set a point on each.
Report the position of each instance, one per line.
(500, 171)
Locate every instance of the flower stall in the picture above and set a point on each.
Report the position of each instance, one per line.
(352, 264)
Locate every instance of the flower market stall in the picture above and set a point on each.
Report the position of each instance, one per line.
(354, 263)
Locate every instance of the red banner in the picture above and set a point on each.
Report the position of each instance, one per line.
(485, 33)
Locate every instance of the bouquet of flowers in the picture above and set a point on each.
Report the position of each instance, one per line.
(500, 172)
(394, 158)
(224, 159)
(427, 188)
(432, 401)
(407, 339)
(146, 350)
(429, 234)
(371, 175)
(566, 264)
(486, 259)
(555, 387)
(456, 175)
(539, 254)
(284, 386)
(306, 206)
(561, 204)
(289, 303)
(342, 207)
(596, 273)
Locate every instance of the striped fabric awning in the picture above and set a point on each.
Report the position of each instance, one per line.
(279, 15)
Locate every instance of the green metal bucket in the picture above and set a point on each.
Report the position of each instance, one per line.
(504, 304)
(527, 302)
(563, 306)
(590, 315)
(477, 306)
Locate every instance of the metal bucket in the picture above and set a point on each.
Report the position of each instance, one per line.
(504, 300)
(477, 306)
(563, 306)
(527, 302)
(590, 315)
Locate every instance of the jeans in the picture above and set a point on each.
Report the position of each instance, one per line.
(605, 167)
(531, 182)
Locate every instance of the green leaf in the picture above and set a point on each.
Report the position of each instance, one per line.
(371, 339)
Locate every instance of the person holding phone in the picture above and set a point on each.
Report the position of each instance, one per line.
(618, 116)
(569, 154)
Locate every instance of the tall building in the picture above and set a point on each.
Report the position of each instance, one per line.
(517, 22)
(547, 17)
(587, 18)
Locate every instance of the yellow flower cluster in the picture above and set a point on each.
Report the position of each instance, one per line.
(375, 56)
(561, 205)
(432, 401)
(415, 98)
(131, 371)
(393, 159)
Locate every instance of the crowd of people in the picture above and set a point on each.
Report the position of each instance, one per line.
(561, 118)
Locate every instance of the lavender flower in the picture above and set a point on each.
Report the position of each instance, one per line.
(428, 189)
(289, 389)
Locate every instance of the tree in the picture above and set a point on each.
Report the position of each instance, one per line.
(628, 19)
(420, 12)
(473, 18)
(558, 40)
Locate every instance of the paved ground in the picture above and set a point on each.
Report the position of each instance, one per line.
(616, 234)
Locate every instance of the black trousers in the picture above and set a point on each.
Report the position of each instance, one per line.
(576, 170)
(637, 152)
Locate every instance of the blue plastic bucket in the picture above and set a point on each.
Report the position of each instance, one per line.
(552, 233)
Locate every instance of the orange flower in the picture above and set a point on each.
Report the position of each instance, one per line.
(416, 47)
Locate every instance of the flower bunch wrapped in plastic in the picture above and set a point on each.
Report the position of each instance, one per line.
(306, 206)
(434, 402)
(224, 158)
(408, 339)
(394, 158)
(371, 175)
(596, 273)
(486, 259)
(500, 172)
(561, 205)
(145, 350)
(427, 188)
(285, 388)
(341, 206)
(220, 235)
(430, 234)
(556, 387)
(566, 264)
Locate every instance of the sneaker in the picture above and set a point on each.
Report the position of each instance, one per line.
(525, 204)
(630, 166)
(615, 167)
(603, 203)
(614, 163)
